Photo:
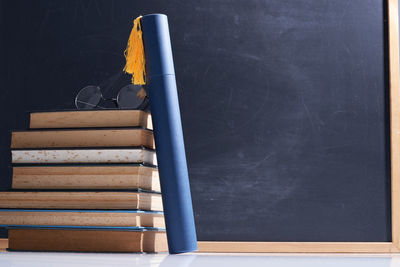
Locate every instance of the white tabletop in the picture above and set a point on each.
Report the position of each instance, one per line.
(42, 259)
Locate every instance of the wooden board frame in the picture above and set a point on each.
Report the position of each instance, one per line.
(349, 247)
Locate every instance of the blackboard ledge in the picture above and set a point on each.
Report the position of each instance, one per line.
(297, 247)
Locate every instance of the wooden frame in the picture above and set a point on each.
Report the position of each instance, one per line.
(349, 247)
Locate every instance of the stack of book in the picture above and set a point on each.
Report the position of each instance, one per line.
(85, 181)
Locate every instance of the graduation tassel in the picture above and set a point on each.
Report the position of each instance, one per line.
(134, 54)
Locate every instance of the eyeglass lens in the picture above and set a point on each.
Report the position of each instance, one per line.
(88, 98)
(131, 96)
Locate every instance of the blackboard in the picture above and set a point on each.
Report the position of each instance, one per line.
(284, 104)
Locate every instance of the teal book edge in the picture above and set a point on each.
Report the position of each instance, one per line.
(80, 210)
(71, 227)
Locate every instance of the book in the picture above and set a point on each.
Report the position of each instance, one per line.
(80, 200)
(85, 177)
(87, 240)
(121, 218)
(90, 118)
(83, 155)
(131, 137)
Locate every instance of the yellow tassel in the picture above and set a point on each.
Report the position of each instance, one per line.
(134, 54)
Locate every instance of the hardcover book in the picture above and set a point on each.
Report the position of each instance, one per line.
(80, 200)
(131, 137)
(90, 118)
(120, 218)
(88, 155)
(87, 240)
(85, 177)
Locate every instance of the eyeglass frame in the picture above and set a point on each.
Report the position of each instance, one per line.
(142, 106)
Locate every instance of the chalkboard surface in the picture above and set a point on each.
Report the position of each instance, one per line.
(284, 104)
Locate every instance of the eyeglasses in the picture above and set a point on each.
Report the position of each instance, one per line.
(129, 97)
